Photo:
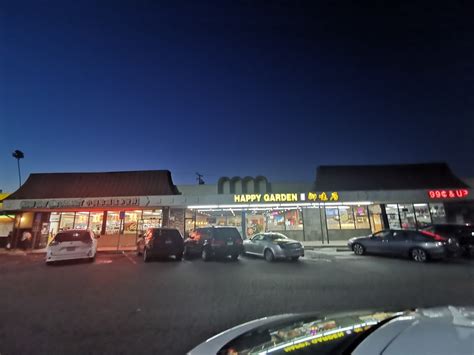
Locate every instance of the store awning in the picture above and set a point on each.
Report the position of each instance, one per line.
(101, 184)
(387, 177)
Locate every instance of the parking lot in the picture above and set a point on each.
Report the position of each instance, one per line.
(120, 305)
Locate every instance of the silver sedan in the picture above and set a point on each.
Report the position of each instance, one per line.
(273, 246)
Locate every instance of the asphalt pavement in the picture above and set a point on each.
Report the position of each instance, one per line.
(120, 305)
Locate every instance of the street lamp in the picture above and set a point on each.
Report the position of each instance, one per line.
(18, 154)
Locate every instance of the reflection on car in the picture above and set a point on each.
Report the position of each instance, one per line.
(160, 242)
(214, 242)
(440, 330)
(72, 244)
(417, 245)
(273, 246)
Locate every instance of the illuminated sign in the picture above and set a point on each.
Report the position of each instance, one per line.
(323, 196)
(448, 194)
(84, 203)
(287, 197)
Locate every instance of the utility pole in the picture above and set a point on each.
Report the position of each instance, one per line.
(199, 179)
(18, 154)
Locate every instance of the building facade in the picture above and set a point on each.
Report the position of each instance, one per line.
(342, 202)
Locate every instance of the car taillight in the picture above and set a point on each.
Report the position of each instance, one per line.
(87, 241)
(238, 241)
(435, 236)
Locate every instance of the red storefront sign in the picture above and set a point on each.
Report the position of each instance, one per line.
(448, 194)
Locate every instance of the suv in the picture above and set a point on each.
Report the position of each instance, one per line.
(160, 242)
(463, 233)
(72, 244)
(214, 242)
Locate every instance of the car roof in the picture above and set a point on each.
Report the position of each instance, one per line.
(75, 230)
(163, 228)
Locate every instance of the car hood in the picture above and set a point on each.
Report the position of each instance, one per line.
(423, 331)
(353, 239)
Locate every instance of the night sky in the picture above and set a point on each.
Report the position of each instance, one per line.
(234, 87)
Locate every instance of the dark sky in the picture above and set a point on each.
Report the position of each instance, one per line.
(234, 87)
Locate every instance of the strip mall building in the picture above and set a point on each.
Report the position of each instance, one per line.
(342, 202)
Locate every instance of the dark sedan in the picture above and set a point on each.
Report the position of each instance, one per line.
(417, 245)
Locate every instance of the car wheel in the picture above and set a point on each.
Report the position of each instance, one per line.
(205, 255)
(234, 257)
(358, 249)
(146, 257)
(295, 258)
(179, 257)
(419, 255)
(269, 255)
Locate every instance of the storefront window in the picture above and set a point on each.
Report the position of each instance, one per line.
(376, 221)
(422, 214)
(81, 220)
(294, 220)
(54, 223)
(221, 220)
(346, 217)
(438, 213)
(67, 221)
(130, 225)
(235, 220)
(151, 219)
(255, 223)
(113, 223)
(361, 217)
(392, 215)
(407, 216)
(276, 221)
(95, 222)
(332, 218)
(202, 219)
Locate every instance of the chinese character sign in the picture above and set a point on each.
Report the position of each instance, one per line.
(323, 196)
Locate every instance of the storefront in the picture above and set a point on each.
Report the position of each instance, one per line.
(117, 206)
(343, 202)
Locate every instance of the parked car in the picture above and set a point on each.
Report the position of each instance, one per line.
(273, 246)
(160, 242)
(462, 233)
(440, 330)
(213, 242)
(72, 244)
(418, 245)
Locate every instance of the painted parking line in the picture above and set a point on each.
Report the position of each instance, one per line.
(129, 258)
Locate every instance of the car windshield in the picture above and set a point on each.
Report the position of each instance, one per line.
(72, 236)
(167, 233)
(275, 236)
(226, 233)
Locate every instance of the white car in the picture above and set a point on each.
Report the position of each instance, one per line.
(72, 244)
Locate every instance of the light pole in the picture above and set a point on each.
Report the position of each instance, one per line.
(18, 154)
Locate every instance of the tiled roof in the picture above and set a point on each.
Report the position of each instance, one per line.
(103, 184)
(386, 177)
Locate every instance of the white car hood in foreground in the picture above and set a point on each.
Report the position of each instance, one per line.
(443, 330)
